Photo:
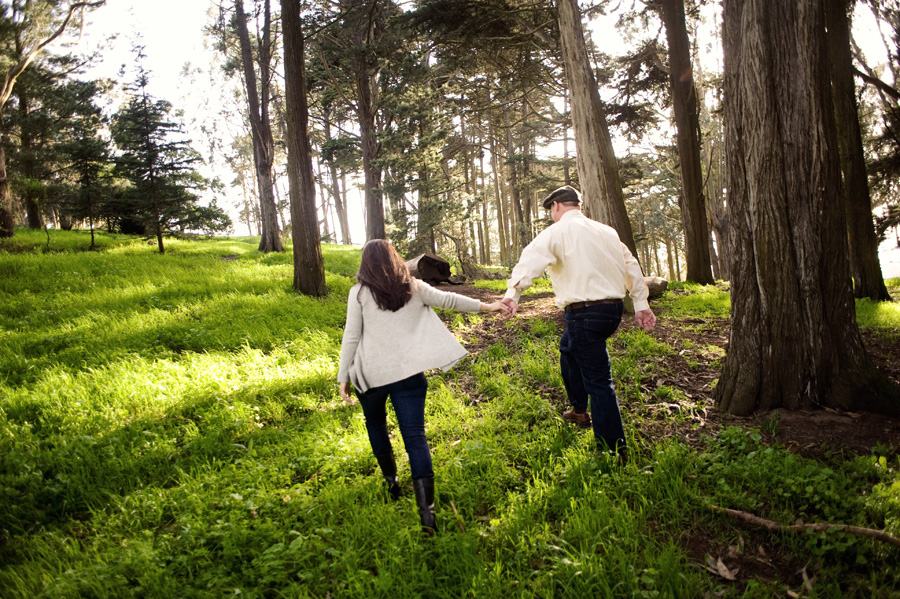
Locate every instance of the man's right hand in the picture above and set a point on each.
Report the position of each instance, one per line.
(646, 319)
(513, 306)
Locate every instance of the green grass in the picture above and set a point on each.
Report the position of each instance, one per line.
(698, 301)
(881, 317)
(170, 427)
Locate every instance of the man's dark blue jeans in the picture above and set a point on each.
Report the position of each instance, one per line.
(586, 371)
(408, 398)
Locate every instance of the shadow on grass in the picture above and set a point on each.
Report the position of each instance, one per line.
(53, 476)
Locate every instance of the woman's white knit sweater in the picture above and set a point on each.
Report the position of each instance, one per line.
(382, 347)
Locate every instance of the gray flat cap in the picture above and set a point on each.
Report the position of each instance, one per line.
(566, 193)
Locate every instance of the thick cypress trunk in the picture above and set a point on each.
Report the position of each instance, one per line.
(598, 171)
(309, 267)
(687, 124)
(864, 263)
(794, 341)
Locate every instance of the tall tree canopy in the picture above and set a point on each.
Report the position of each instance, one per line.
(26, 28)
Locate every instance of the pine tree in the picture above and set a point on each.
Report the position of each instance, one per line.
(84, 157)
(159, 163)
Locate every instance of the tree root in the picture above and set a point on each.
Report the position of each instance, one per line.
(879, 535)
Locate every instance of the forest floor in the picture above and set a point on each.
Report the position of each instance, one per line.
(694, 372)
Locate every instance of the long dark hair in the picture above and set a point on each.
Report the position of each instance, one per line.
(384, 273)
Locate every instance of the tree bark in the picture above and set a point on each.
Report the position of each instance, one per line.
(794, 341)
(7, 214)
(598, 171)
(309, 267)
(261, 128)
(687, 125)
(864, 263)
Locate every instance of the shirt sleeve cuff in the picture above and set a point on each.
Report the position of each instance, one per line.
(642, 305)
(514, 294)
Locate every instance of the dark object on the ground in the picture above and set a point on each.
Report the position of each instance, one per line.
(430, 268)
(656, 286)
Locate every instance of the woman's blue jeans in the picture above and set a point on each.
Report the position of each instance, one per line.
(408, 398)
(586, 370)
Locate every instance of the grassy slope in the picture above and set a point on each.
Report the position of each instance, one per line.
(170, 426)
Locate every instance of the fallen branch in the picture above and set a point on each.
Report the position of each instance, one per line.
(817, 527)
(458, 519)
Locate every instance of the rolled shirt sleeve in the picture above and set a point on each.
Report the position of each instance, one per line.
(535, 259)
(634, 281)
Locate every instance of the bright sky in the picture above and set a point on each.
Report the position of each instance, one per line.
(170, 30)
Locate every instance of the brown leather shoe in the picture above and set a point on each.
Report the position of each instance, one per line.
(582, 420)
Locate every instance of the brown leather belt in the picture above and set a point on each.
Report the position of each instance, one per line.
(580, 305)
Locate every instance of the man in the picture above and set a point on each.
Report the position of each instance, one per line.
(590, 269)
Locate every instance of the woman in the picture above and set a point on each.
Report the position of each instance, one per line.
(392, 336)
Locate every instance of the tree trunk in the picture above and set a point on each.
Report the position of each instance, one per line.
(498, 198)
(567, 177)
(794, 341)
(714, 260)
(484, 228)
(864, 263)
(687, 125)
(157, 213)
(309, 267)
(598, 171)
(7, 214)
(335, 184)
(261, 128)
(518, 228)
(670, 259)
(363, 30)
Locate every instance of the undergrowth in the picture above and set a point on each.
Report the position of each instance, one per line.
(170, 427)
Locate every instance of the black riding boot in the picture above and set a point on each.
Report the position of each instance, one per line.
(389, 471)
(424, 489)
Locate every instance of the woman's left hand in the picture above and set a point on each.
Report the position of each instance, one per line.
(496, 307)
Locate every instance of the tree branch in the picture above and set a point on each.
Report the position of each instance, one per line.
(878, 83)
(13, 72)
(817, 527)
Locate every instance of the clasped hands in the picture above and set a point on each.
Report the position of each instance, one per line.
(500, 307)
